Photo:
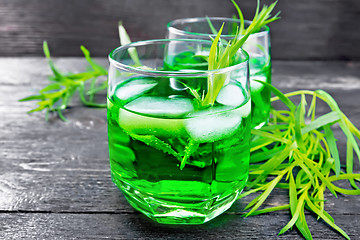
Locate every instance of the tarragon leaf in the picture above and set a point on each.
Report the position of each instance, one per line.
(333, 148)
(189, 150)
(299, 208)
(125, 39)
(265, 194)
(280, 95)
(326, 119)
(156, 143)
(325, 218)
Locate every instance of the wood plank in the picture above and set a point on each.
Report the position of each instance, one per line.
(43, 181)
(322, 29)
(33, 72)
(55, 180)
(62, 149)
(137, 226)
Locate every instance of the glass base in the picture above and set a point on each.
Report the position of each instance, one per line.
(168, 211)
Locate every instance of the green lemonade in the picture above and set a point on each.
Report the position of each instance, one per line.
(260, 95)
(171, 157)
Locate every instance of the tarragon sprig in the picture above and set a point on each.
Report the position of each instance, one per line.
(56, 96)
(262, 16)
(221, 56)
(297, 151)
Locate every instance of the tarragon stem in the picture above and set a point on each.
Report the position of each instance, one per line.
(314, 157)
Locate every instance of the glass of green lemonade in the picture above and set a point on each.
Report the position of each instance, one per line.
(257, 46)
(178, 133)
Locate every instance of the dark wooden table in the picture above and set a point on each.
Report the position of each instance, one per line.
(55, 180)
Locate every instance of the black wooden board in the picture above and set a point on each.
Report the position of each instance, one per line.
(55, 179)
(136, 226)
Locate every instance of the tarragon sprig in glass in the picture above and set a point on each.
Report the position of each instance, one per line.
(220, 56)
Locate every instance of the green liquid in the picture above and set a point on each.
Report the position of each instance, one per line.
(147, 147)
(260, 96)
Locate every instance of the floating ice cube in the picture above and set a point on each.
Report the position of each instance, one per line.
(256, 86)
(161, 106)
(245, 110)
(135, 88)
(212, 124)
(231, 95)
(139, 124)
(157, 107)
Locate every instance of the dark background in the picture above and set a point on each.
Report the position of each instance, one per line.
(308, 30)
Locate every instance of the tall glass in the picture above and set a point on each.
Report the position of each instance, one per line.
(179, 148)
(257, 46)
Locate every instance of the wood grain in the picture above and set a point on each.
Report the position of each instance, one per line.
(136, 226)
(316, 30)
(55, 179)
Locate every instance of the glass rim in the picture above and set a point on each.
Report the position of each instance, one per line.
(192, 73)
(263, 31)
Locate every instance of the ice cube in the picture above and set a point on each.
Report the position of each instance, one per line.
(157, 107)
(245, 110)
(135, 88)
(256, 86)
(231, 95)
(161, 106)
(212, 124)
(139, 124)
